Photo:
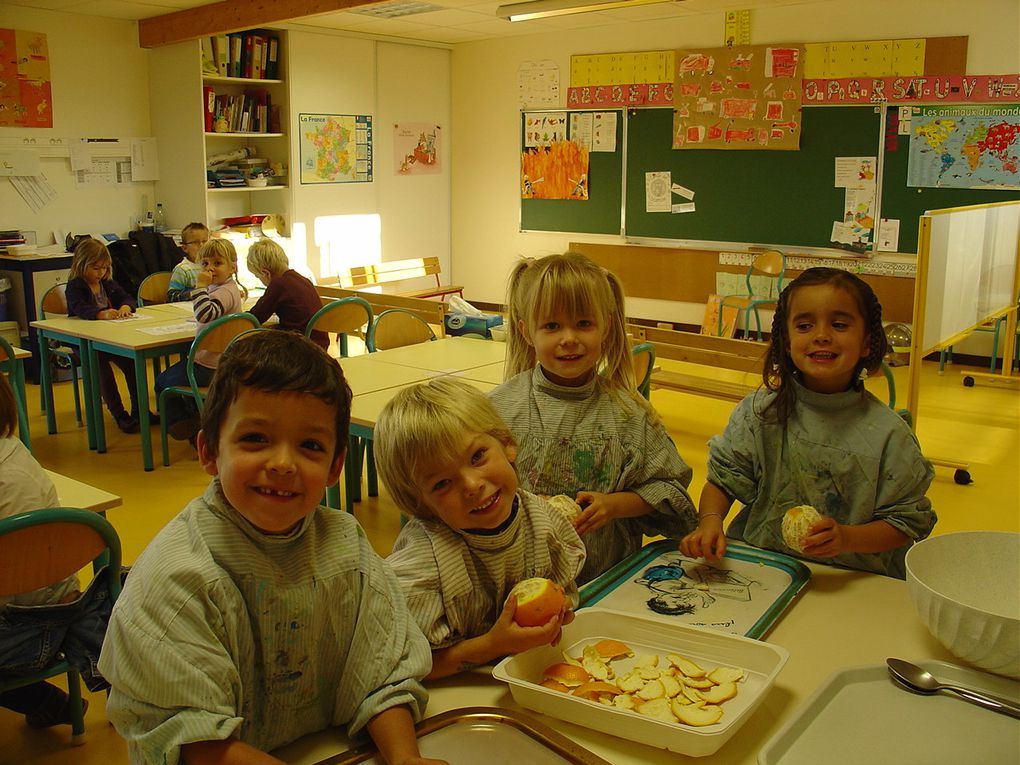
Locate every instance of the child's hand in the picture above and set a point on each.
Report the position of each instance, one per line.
(597, 512)
(203, 279)
(508, 637)
(707, 541)
(825, 539)
(123, 311)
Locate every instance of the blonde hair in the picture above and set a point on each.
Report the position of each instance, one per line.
(423, 426)
(573, 284)
(87, 252)
(267, 255)
(224, 249)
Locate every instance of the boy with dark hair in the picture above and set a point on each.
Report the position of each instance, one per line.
(256, 617)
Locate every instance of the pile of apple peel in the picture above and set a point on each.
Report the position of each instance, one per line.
(671, 689)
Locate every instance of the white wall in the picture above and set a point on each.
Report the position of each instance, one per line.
(100, 89)
(486, 239)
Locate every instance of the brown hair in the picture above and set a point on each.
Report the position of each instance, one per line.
(87, 252)
(274, 361)
(779, 368)
(8, 409)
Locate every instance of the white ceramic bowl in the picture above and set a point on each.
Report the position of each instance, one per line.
(966, 588)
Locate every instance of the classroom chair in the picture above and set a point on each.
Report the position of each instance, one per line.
(215, 337)
(395, 328)
(16, 376)
(771, 263)
(341, 318)
(54, 303)
(152, 290)
(43, 547)
(643, 356)
(996, 328)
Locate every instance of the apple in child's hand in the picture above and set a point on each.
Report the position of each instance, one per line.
(538, 600)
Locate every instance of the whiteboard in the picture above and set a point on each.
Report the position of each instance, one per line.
(972, 260)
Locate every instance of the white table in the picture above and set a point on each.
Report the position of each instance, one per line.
(74, 493)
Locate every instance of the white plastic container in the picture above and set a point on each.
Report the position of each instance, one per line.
(760, 661)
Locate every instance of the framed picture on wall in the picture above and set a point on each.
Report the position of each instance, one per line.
(335, 148)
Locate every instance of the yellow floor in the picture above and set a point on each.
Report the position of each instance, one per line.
(976, 425)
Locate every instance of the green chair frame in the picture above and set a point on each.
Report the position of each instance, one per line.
(903, 413)
(216, 336)
(15, 374)
(769, 263)
(397, 327)
(43, 547)
(643, 356)
(54, 302)
(946, 354)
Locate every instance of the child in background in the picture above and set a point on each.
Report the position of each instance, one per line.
(814, 436)
(255, 616)
(288, 294)
(217, 293)
(447, 459)
(34, 626)
(571, 403)
(93, 294)
(185, 273)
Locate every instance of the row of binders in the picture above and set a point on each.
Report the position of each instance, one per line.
(254, 55)
(250, 112)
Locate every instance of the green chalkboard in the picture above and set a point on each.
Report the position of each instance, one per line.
(600, 213)
(757, 197)
(907, 203)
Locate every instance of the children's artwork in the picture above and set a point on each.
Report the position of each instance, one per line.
(416, 148)
(710, 322)
(335, 148)
(742, 594)
(739, 97)
(26, 98)
(557, 171)
(855, 172)
(544, 128)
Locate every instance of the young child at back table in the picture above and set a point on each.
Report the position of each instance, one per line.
(572, 405)
(255, 616)
(288, 294)
(185, 274)
(447, 459)
(93, 294)
(814, 436)
(216, 294)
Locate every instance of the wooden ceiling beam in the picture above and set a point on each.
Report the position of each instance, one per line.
(231, 16)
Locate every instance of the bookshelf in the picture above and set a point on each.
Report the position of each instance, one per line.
(240, 120)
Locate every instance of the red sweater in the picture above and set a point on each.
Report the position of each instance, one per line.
(294, 300)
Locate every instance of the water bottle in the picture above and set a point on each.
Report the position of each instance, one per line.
(159, 219)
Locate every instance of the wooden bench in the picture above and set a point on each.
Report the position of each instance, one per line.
(429, 311)
(707, 350)
(393, 271)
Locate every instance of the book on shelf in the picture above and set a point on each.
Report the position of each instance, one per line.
(221, 48)
(208, 57)
(236, 47)
(272, 59)
(208, 107)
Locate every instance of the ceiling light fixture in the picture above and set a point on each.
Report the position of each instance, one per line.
(543, 9)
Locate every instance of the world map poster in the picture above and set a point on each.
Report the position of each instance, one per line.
(335, 148)
(965, 147)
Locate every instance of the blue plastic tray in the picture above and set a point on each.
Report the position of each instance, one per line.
(744, 594)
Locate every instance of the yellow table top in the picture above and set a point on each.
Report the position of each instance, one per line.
(446, 355)
(134, 334)
(842, 619)
(491, 373)
(368, 373)
(74, 493)
(366, 408)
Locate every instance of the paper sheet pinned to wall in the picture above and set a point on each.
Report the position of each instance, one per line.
(35, 190)
(657, 192)
(144, 159)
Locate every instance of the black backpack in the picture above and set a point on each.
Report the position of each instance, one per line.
(143, 253)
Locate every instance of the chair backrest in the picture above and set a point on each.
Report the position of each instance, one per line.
(768, 263)
(54, 301)
(152, 290)
(43, 547)
(396, 328)
(6, 355)
(215, 337)
(643, 356)
(341, 317)
(903, 413)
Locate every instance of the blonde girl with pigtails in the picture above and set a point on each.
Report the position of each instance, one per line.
(571, 403)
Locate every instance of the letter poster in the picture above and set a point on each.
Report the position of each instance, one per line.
(742, 97)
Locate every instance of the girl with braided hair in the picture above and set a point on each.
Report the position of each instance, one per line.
(814, 436)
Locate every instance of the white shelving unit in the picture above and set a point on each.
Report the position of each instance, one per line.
(177, 89)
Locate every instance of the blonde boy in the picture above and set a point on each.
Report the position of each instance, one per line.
(288, 294)
(185, 273)
(447, 459)
(256, 617)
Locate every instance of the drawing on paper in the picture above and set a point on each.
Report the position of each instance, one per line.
(557, 171)
(684, 586)
(416, 147)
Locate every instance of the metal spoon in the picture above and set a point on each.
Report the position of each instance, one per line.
(916, 679)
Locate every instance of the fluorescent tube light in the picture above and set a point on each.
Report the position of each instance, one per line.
(543, 9)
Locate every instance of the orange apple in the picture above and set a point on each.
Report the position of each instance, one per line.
(538, 600)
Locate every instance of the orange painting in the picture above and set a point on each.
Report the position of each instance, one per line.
(557, 171)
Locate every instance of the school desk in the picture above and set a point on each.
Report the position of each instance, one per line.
(17, 377)
(841, 619)
(447, 355)
(72, 493)
(128, 338)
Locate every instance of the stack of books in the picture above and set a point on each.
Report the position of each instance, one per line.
(253, 55)
(224, 178)
(250, 112)
(9, 238)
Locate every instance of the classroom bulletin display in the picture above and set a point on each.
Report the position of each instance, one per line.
(26, 98)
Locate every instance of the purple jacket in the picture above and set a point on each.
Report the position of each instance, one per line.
(83, 304)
